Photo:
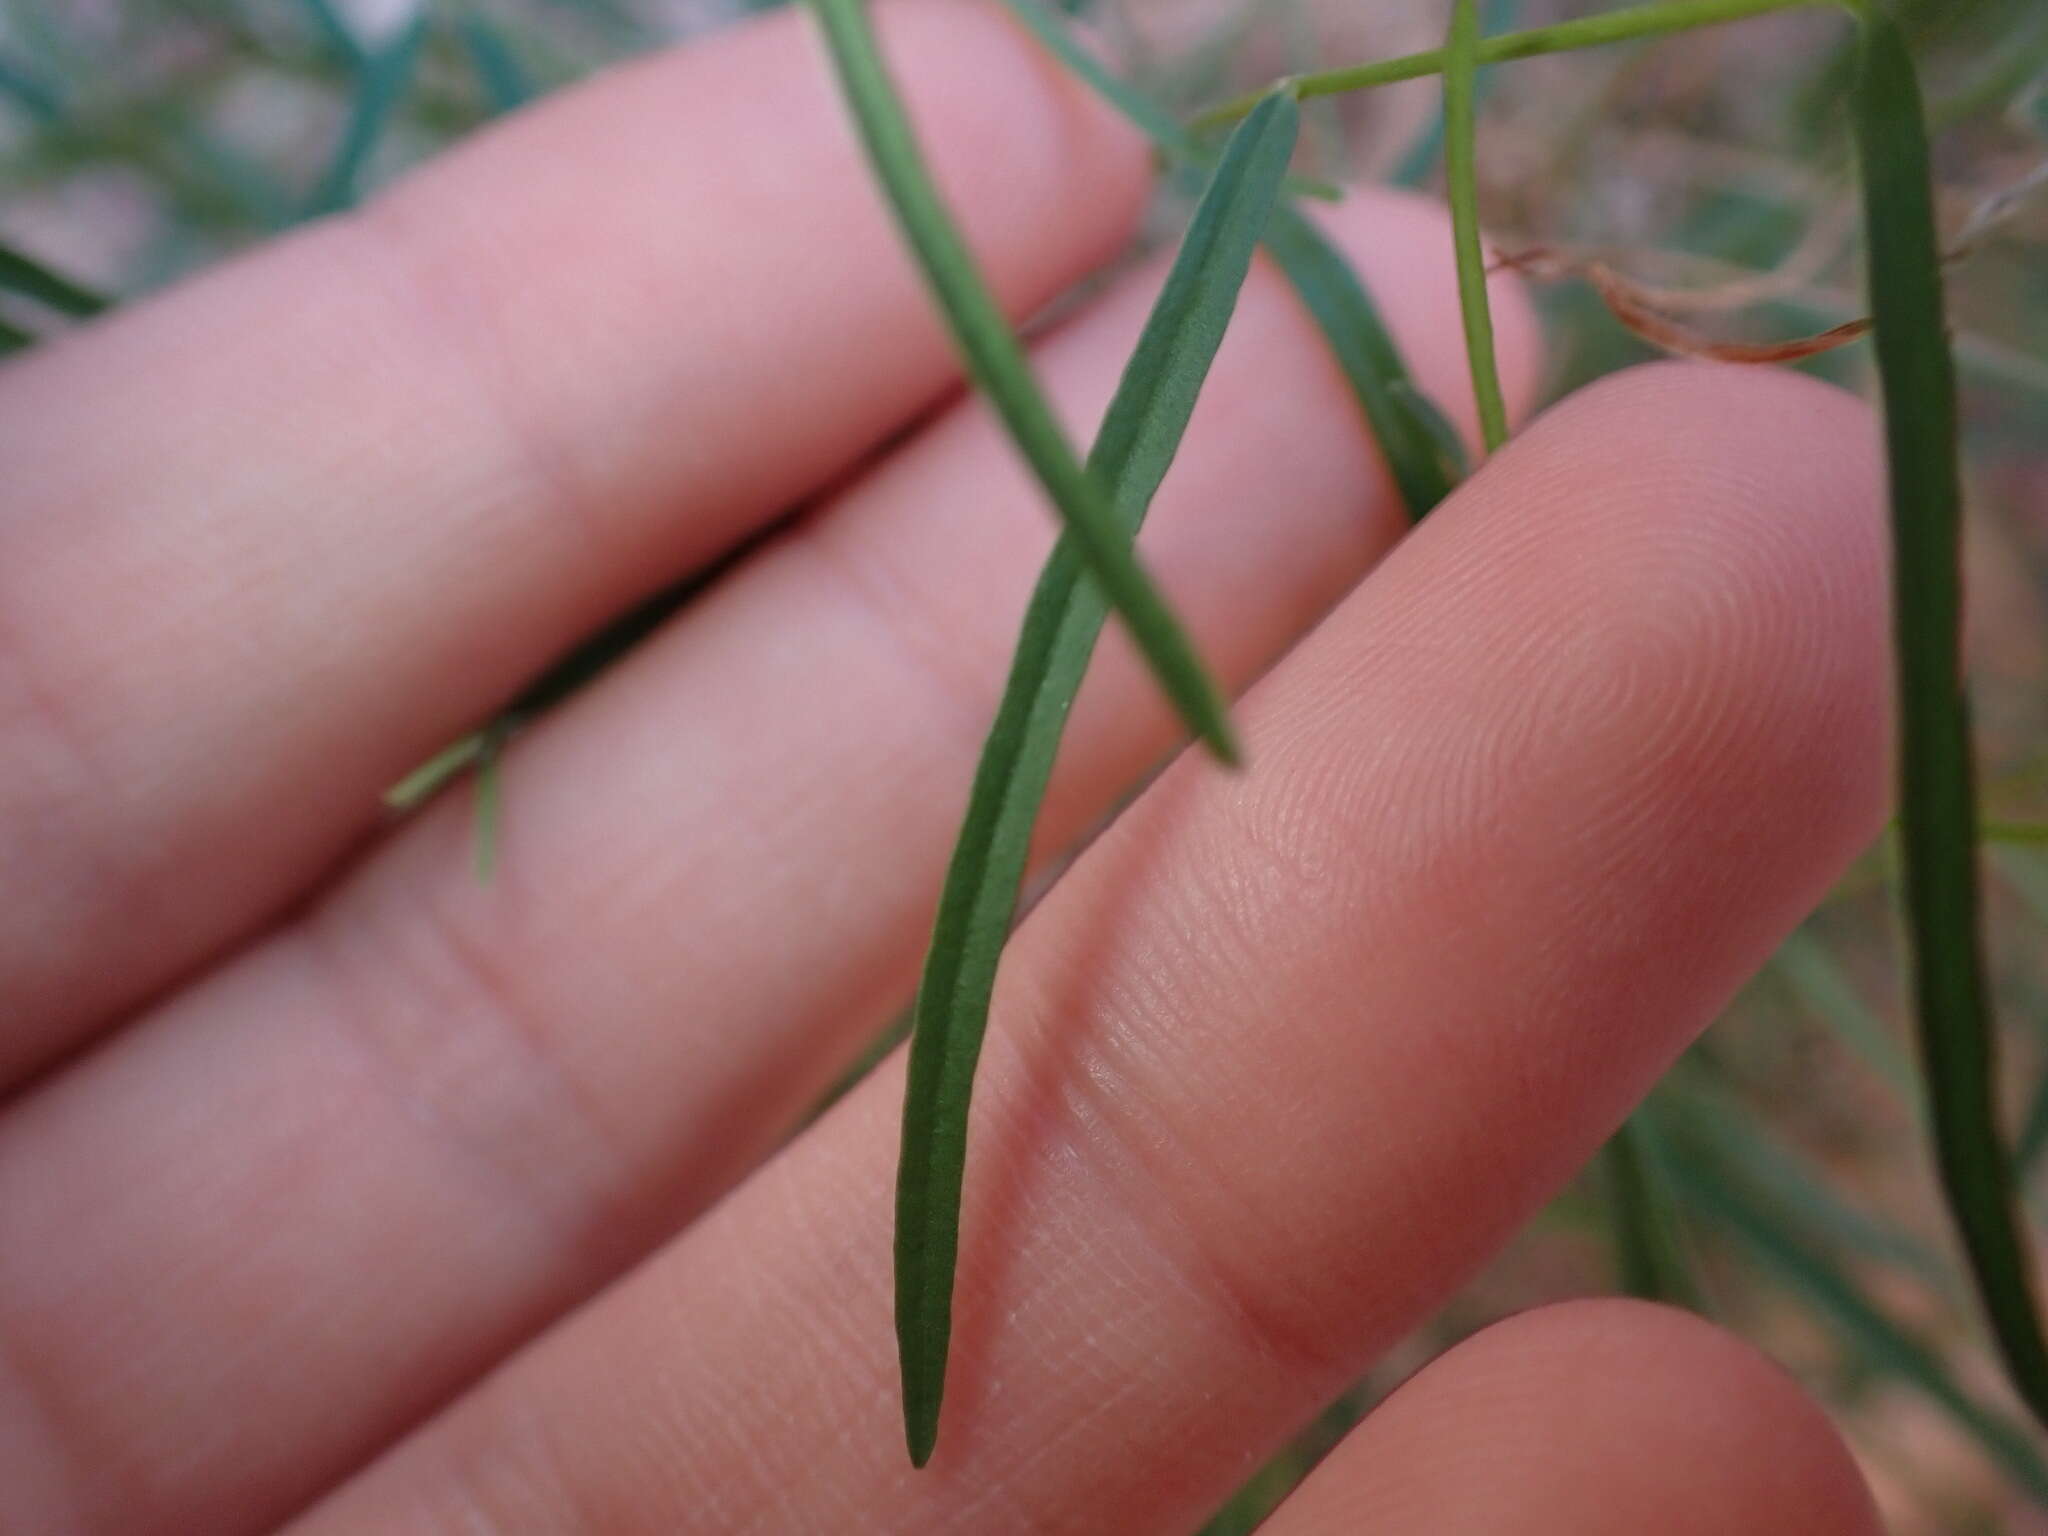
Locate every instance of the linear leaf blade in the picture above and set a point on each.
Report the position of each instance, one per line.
(1938, 809)
(23, 274)
(1139, 437)
(1421, 449)
(996, 362)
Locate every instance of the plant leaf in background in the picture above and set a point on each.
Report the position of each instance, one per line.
(507, 85)
(1461, 177)
(996, 362)
(383, 74)
(1810, 970)
(1740, 1140)
(1750, 1211)
(1937, 799)
(1138, 439)
(1650, 1257)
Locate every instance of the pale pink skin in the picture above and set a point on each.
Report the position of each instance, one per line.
(308, 1130)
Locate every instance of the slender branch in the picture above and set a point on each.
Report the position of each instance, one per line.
(1621, 26)
(1461, 173)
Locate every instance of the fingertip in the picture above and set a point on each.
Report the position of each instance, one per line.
(1591, 1417)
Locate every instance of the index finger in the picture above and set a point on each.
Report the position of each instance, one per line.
(272, 539)
(1285, 1055)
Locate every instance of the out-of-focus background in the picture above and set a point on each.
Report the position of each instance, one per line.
(140, 139)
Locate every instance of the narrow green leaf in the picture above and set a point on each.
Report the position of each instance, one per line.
(1649, 1246)
(28, 90)
(383, 76)
(23, 274)
(1443, 437)
(1407, 427)
(996, 362)
(335, 31)
(1402, 418)
(1139, 436)
(1461, 176)
(436, 773)
(2030, 833)
(1937, 804)
(13, 338)
(507, 86)
(1781, 1244)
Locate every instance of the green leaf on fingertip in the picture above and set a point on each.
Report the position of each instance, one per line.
(995, 360)
(1938, 823)
(1139, 437)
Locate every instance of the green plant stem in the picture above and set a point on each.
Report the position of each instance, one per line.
(995, 359)
(1620, 26)
(427, 780)
(1461, 173)
(1937, 802)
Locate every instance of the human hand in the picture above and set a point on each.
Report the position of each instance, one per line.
(336, 1183)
